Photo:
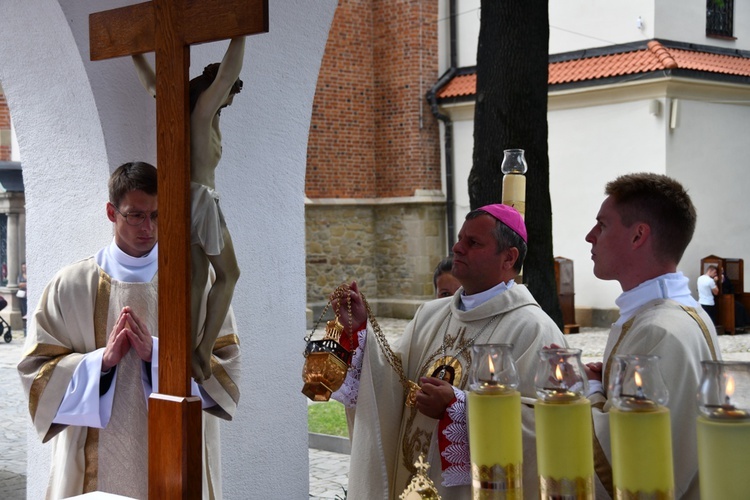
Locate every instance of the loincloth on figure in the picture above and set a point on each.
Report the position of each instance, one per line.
(207, 220)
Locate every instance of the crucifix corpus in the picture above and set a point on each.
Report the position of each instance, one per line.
(168, 28)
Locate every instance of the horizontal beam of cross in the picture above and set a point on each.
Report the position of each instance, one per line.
(131, 29)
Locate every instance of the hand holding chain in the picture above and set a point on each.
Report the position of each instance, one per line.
(410, 387)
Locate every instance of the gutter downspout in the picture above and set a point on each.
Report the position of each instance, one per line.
(448, 124)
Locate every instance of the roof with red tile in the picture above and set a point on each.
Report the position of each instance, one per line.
(652, 57)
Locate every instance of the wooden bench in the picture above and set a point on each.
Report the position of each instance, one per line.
(566, 293)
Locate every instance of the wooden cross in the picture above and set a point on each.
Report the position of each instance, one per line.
(169, 27)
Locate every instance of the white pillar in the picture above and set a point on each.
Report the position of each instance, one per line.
(21, 238)
(12, 231)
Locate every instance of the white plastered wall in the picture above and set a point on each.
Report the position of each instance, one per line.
(589, 147)
(708, 152)
(692, 131)
(77, 120)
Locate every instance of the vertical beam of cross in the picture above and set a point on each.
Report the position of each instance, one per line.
(169, 27)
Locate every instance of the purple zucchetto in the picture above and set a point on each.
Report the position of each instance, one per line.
(508, 216)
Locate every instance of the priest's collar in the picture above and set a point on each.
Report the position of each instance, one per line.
(667, 286)
(469, 302)
(124, 267)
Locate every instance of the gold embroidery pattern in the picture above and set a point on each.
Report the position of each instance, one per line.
(47, 351)
(415, 442)
(702, 324)
(448, 343)
(602, 467)
(226, 341)
(490, 482)
(446, 368)
(642, 495)
(42, 377)
(608, 368)
(101, 309)
(91, 447)
(581, 488)
(225, 380)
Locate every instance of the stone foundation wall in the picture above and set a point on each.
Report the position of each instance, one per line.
(390, 249)
(600, 318)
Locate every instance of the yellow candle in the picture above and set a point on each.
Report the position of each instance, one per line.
(724, 458)
(564, 448)
(642, 452)
(495, 442)
(514, 191)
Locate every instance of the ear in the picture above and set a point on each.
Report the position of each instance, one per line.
(511, 256)
(641, 234)
(111, 212)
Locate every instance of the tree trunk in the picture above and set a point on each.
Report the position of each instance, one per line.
(511, 112)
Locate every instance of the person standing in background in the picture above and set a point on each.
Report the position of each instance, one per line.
(708, 288)
(443, 280)
(21, 295)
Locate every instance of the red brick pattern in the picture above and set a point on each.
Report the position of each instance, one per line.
(4, 126)
(372, 132)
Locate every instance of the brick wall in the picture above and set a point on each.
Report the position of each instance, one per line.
(373, 136)
(4, 129)
(372, 133)
(407, 140)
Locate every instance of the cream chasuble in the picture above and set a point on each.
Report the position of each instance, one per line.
(77, 311)
(386, 436)
(682, 336)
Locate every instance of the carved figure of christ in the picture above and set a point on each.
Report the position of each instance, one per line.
(168, 28)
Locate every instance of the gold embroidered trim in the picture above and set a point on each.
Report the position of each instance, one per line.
(225, 380)
(91, 460)
(101, 309)
(580, 488)
(607, 369)
(40, 383)
(91, 448)
(47, 351)
(447, 368)
(225, 341)
(702, 324)
(416, 441)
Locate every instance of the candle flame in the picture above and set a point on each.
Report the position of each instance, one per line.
(492, 366)
(638, 380)
(730, 386)
(558, 373)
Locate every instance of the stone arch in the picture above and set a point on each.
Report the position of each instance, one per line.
(77, 120)
(63, 165)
